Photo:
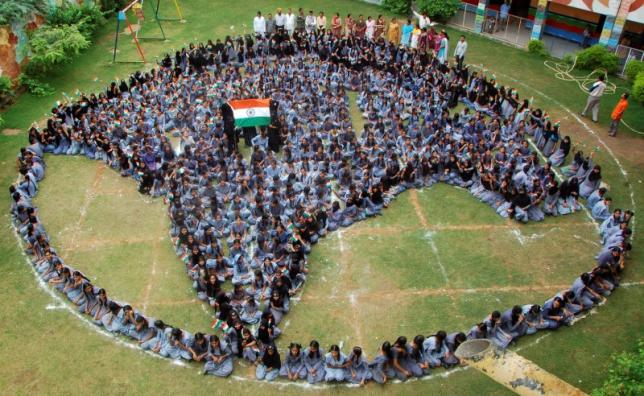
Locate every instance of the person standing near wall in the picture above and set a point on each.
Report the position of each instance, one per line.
(594, 95)
(459, 52)
(616, 115)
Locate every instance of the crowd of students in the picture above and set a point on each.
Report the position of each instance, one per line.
(252, 221)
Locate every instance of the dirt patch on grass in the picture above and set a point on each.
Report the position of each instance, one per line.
(11, 132)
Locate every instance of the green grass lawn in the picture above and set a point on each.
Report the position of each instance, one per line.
(406, 272)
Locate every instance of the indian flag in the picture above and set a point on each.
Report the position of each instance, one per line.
(219, 324)
(251, 112)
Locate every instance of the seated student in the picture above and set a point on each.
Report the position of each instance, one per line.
(250, 313)
(494, 331)
(453, 341)
(382, 366)
(267, 332)
(478, 331)
(611, 222)
(110, 320)
(219, 361)
(314, 363)
(269, 367)
(415, 361)
(293, 366)
(249, 347)
(177, 344)
(584, 294)
(336, 365)
(595, 197)
(400, 360)
(358, 371)
(435, 349)
(601, 210)
(513, 322)
(199, 347)
(155, 337)
(555, 314)
(533, 318)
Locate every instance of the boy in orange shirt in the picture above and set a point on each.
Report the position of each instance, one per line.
(616, 115)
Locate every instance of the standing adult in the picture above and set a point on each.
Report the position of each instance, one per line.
(443, 47)
(361, 27)
(407, 29)
(321, 21)
(336, 25)
(381, 25)
(259, 25)
(616, 115)
(310, 23)
(270, 25)
(459, 52)
(393, 31)
(289, 22)
(371, 28)
(350, 25)
(423, 20)
(280, 20)
(300, 22)
(594, 95)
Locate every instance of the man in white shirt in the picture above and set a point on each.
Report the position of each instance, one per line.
(280, 20)
(289, 23)
(594, 94)
(310, 23)
(459, 52)
(259, 25)
(423, 20)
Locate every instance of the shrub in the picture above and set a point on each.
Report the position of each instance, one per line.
(6, 86)
(34, 86)
(441, 10)
(54, 45)
(537, 47)
(112, 5)
(626, 377)
(19, 10)
(633, 68)
(401, 7)
(568, 59)
(597, 57)
(87, 17)
(638, 88)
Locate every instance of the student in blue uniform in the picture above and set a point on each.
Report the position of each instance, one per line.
(336, 365)
(219, 361)
(314, 363)
(293, 366)
(270, 365)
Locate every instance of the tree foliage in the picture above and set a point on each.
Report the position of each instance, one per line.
(597, 57)
(633, 68)
(441, 10)
(400, 7)
(19, 10)
(54, 45)
(638, 88)
(626, 375)
(87, 17)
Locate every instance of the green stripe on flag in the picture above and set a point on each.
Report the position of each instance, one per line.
(253, 121)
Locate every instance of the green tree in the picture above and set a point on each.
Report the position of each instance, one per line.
(441, 10)
(626, 375)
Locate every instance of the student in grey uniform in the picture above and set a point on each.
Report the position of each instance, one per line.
(269, 367)
(314, 363)
(358, 371)
(453, 341)
(336, 365)
(293, 365)
(220, 358)
(249, 347)
(382, 366)
(435, 349)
